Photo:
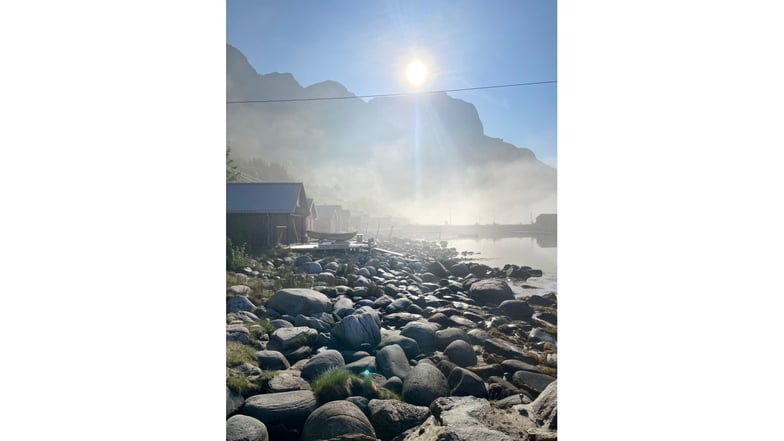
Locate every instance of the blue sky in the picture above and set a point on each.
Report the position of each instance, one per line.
(365, 45)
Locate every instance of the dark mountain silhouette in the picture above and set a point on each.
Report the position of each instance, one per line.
(415, 155)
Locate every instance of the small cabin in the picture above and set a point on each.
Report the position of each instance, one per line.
(265, 214)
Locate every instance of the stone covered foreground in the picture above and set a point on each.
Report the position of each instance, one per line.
(439, 349)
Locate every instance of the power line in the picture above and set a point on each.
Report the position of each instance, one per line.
(385, 95)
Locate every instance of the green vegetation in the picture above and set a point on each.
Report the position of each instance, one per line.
(238, 353)
(244, 386)
(338, 384)
(237, 256)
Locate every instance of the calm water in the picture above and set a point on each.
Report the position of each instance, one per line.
(521, 251)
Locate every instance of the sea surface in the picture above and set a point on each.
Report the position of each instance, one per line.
(538, 253)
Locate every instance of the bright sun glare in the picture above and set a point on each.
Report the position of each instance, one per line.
(416, 72)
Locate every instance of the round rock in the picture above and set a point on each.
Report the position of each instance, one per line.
(334, 419)
(490, 292)
(461, 353)
(392, 361)
(295, 301)
(245, 428)
(321, 363)
(424, 384)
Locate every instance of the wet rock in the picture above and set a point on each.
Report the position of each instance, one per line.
(537, 335)
(423, 384)
(343, 307)
(461, 353)
(334, 419)
(533, 381)
(459, 269)
(486, 370)
(399, 305)
(516, 309)
(477, 336)
(245, 428)
(392, 361)
(457, 320)
(322, 362)
(446, 336)
(512, 366)
(507, 350)
(437, 269)
(463, 382)
(537, 300)
(295, 301)
(439, 318)
(272, 360)
(546, 319)
(390, 418)
(423, 332)
(490, 292)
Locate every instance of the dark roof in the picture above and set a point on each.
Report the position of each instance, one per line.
(262, 197)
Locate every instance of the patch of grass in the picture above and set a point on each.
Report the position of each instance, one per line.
(245, 386)
(265, 327)
(238, 353)
(338, 384)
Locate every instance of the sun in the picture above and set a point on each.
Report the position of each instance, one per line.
(416, 72)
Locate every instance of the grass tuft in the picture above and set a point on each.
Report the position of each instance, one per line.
(238, 353)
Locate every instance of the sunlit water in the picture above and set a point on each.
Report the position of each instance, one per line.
(521, 251)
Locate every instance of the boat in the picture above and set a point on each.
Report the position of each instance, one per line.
(331, 236)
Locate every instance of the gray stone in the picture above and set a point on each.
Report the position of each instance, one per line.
(243, 316)
(390, 418)
(477, 336)
(423, 332)
(507, 350)
(326, 277)
(544, 410)
(490, 292)
(463, 382)
(311, 322)
(245, 428)
(392, 361)
(446, 336)
(239, 290)
(272, 360)
(409, 345)
(362, 327)
(310, 267)
(322, 362)
(363, 364)
(352, 355)
(423, 384)
(532, 380)
(284, 382)
(538, 334)
(233, 401)
(300, 260)
(471, 418)
(287, 408)
(546, 318)
(516, 309)
(295, 301)
(285, 339)
(239, 303)
(512, 366)
(461, 321)
(334, 419)
(343, 306)
(395, 384)
(459, 269)
(280, 323)
(461, 353)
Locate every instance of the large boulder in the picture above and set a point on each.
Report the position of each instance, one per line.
(293, 301)
(516, 309)
(446, 336)
(284, 382)
(239, 303)
(245, 428)
(334, 419)
(424, 384)
(285, 339)
(360, 328)
(322, 362)
(409, 345)
(471, 418)
(286, 408)
(391, 361)
(272, 361)
(463, 382)
(390, 418)
(423, 332)
(490, 292)
(461, 353)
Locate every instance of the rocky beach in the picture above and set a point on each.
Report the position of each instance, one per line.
(413, 343)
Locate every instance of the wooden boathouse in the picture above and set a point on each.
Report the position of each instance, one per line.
(265, 214)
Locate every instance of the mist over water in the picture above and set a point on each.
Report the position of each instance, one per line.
(521, 251)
